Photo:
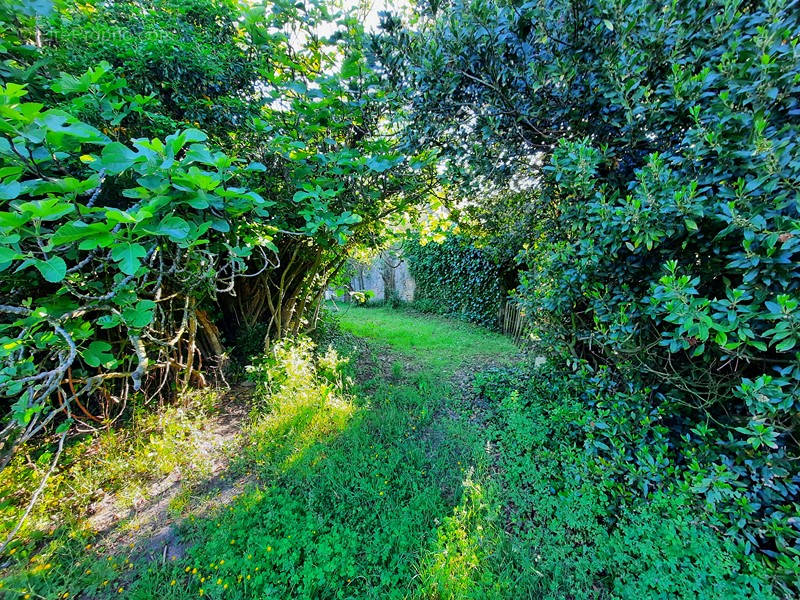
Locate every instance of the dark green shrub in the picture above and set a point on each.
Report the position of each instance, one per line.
(685, 264)
(191, 55)
(393, 301)
(660, 147)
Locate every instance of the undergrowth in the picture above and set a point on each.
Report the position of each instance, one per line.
(579, 519)
(54, 552)
(378, 471)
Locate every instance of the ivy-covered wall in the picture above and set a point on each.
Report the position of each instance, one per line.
(455, 278)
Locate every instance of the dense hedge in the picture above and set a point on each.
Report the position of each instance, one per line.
(685, 266)
(455, 278)
(667, 239)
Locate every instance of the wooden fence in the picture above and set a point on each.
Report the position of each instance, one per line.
(513, 321)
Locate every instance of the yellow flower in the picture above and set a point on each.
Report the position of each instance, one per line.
(105, 582)
(225, 587)
(194, 571)
(222, 562)
(200, 591)
(219, 581)
(248, 576)
(173, 582)
(13, 551)
(233, 542)
(187, 569)
(269, 548)
(120, 590)
(88, 572)
(202, 579)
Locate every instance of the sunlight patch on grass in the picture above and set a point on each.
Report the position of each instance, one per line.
(301, 401)
(118, 462)
(283, 436)
(457, 565)
(444, 344)
(102, 475)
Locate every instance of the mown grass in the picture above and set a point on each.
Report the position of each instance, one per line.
(439, 344)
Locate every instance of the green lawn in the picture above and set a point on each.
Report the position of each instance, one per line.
(438, 343)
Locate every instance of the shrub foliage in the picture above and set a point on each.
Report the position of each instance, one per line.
(172, 173)
(659, 144)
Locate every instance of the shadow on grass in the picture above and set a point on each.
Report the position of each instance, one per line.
(348, 498)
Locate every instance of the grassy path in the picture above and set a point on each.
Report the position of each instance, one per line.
(391, 478)
(360, 496)
(438, 346)
(355, 491)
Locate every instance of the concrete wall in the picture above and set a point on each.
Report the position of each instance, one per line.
(386, 270)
